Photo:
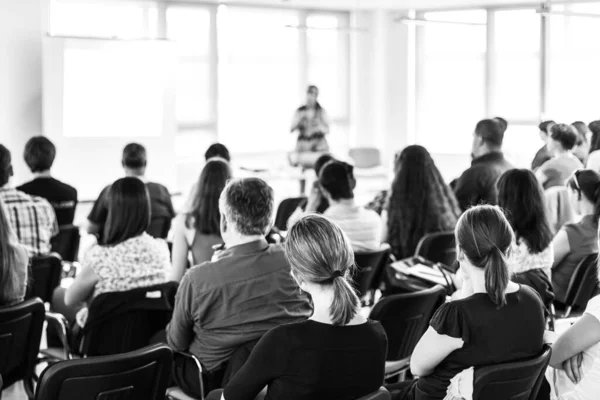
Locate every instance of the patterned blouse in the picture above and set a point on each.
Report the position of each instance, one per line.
(137, 262)
(522, 260)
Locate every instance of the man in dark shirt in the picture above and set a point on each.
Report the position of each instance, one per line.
(39, 155)
(477, 185)
(242, 293)
(161, 208)
(543, 154)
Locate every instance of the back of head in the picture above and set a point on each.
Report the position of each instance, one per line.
(484, 237)
(204, 216)
(9, 279)
(320, 253)
(586, 182)
(248, 204)
(321, 161)
(337, 178)
(217, 150)
(490, 132)
(502, 123)
(39, 154)
(5, 165)
(546, 125)
(583, 132)
(134, 156)
(594, 127)
(128, 211)
(521, 197)
(564, 134)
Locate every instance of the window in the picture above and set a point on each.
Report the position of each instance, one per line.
(451, 68)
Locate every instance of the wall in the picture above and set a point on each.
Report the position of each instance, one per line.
(21, 28)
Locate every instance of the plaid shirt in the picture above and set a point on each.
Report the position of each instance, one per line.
(32, 219)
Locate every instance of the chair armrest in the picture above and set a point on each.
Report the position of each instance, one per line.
(62, 328)
(199, 366)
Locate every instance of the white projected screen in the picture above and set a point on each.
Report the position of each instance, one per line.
(114, 90)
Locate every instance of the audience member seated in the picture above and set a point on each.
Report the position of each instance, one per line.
(127, 258)
(557, 170)
(521, 197)
(197, 230)
(577, 240)
(420, 202)
(575, 359)
(477, 184)
(336, 353)
(542, 154)
(32, 218)
(593, 161)
(362, 226)
(13, 264)
(245, 291)
(496, 321)
(134, 164)
(217, 150)
(582, 145)
(39, 156)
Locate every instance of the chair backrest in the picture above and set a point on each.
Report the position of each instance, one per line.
(20, 333)
(369, 267)
(125, 321)
(381, 394)
(584, 282)
(140, 374)
(405, 318)
(519, 380)
(66, 243)
(45, 274)
(285, 210)
(159, 227)
(365, 157)
(439, 247)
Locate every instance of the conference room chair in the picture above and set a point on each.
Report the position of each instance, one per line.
(405, 318)
(368, 271)
(140, 374)
(20, 334)
(66, 242)
(45, 273)
(367, 162)
(117, 322)
(583, 285)
(439, 247)
(519, 380)
(285, 210)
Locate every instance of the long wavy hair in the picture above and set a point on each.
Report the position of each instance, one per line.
(420, 202)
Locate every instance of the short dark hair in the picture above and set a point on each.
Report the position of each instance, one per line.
(595, 128)
(564, 134)
(337, 178)
(248, 203)
(128, 211)
(39, 153)
(545, 125)
(321, 161)
(490, 132)
(217, 150)
(134, 156)
(502, 122)
(5, 165)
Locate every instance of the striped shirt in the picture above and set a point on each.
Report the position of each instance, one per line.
(362, 226)
(32, 219)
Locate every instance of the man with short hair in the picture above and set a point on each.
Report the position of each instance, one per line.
(161, 208)
(242, 293)
(543, 154)
(39, 156)
(31, 217)
(477, 185)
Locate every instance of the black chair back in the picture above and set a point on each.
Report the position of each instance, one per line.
(519, 380)
(584, 282)
(20, 334)
(285, 210)
(141, 374)
(438, 247)
(66, 243)
(369, 267)
(45, 274)
(405, 318)
(125, 321)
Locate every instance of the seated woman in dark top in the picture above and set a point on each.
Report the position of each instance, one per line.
(495, 321)
(337, 353)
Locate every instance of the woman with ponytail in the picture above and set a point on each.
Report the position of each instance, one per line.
(336, 353)
(577, 240)
(494, 320)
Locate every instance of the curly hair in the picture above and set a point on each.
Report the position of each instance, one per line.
(420, 202)
(248, 203)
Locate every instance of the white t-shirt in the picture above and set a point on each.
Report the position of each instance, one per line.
(362, 226)
(589, 386)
